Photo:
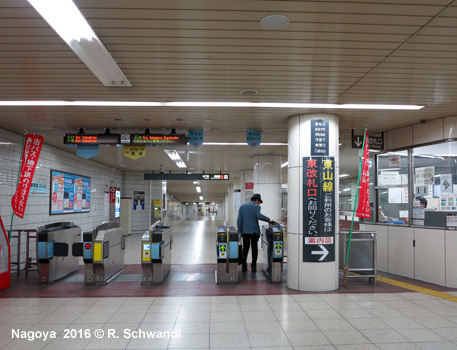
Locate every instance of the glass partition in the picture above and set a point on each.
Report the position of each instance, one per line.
(392, 187)
(435, 185)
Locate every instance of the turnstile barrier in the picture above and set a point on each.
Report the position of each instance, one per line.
(103, 253)
(156, 246)
(55, 259)
(273, 251)
(227, 255)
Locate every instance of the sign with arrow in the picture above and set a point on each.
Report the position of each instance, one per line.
(374, 142)
(319, 209)
(323, 252)
(278, 250)
(38, 189)
(222, 250)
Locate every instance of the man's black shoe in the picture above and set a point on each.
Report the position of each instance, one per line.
(244, 268)
(253, 268)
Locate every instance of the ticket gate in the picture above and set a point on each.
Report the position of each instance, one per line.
(103, 253)
(227, 255)
(54, 251)
(273, 251)
(156, 245)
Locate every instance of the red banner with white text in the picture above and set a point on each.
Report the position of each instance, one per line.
(30, 155)
(363, 209)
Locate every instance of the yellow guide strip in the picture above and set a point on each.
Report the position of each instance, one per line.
(408, 286)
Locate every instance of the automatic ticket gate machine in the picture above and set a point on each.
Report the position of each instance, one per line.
(156, 245)
(227, 255)
(103, 253)
(273, 251)
(55, 251)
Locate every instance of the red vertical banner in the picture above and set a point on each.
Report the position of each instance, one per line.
(30, 155)
(363, 208)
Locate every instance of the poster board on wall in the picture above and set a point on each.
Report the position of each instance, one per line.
(69, 193)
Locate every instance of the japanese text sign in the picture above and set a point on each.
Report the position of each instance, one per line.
(363, 208)
(30, 155)
(318, 209)
(319, 137)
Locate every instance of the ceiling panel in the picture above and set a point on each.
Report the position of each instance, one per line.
(359, 51)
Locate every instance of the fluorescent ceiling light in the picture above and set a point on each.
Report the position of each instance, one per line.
(174, 156)
(346, 189)
(196, 183)
(66, 19)
(344, 175)
(209, 104)
(199, 190)
(283, 165)
(201, 198)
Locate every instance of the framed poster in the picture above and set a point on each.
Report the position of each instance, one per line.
(69, 193)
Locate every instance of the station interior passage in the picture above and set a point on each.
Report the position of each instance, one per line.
(361, 315)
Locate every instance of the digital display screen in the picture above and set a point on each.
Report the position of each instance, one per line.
(157, 139)
(72, 139)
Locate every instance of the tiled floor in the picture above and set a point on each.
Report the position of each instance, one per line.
(251, 315)
(301, 321)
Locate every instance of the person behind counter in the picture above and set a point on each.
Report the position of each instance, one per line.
(423, 202)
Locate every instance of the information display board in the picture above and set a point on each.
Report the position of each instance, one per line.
(70, 193)
(318, 209)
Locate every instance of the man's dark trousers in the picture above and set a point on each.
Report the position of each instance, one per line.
(250, 240)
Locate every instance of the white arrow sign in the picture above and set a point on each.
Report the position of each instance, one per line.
(358, 142)
(323, 252)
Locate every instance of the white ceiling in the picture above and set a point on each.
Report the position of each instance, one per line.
(379, 52)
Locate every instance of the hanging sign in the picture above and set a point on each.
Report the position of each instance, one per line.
(319, 137)
(134, 152)
(30, 155)
(195, 137)
(87, 151)
(253, 137)
(318, 209)
(363, 209)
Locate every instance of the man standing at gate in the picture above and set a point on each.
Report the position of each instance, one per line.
(248, 226)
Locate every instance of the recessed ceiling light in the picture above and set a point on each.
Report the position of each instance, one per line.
(174, 156)
(249, 92)
(274, 21)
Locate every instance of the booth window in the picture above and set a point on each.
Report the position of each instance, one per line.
(392, 187)
(435, 185)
